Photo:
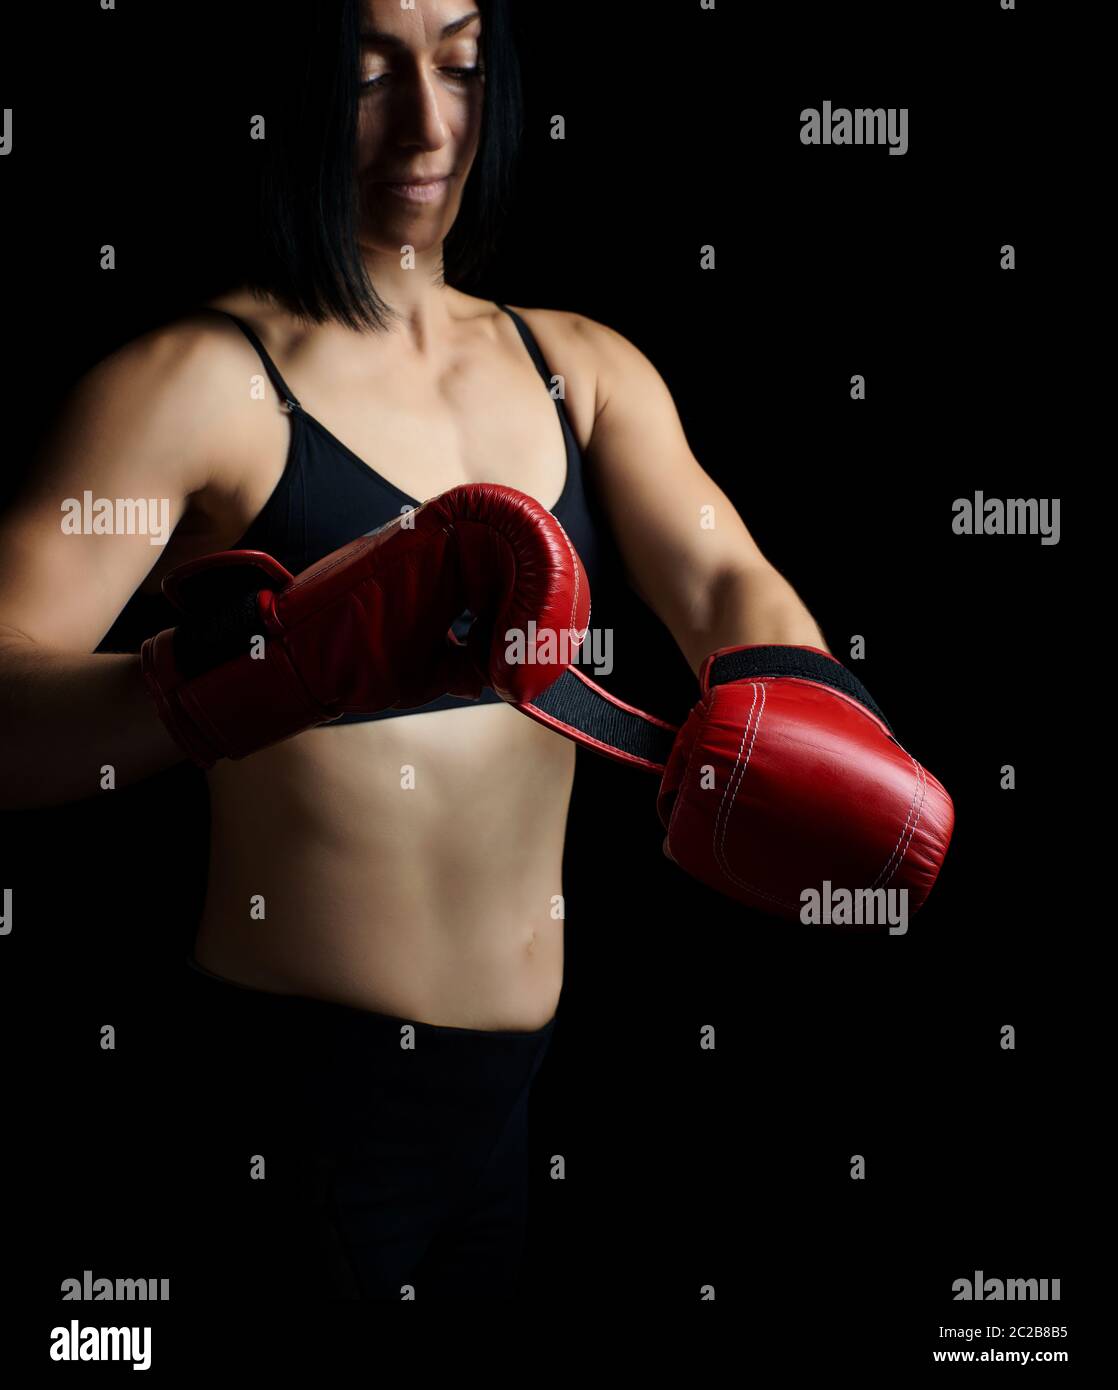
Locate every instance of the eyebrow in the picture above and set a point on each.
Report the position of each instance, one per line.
(391, 40)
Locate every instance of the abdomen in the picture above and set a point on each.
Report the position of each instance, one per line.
(410, 866)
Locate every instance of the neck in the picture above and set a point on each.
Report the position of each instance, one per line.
(414, 293)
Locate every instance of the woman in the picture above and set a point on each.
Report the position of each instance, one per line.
(379, 962)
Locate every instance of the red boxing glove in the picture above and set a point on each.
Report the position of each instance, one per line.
(262, 655)
(784, 779)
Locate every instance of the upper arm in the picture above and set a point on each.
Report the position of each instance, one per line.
(676, 530)
(136, 426)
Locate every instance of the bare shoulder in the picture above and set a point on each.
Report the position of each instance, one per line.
(577, 348)
(598, 352)
(564, 329)
(176, 390)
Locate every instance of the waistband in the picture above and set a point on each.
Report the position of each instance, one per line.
(336, 1077)
(316, 1014)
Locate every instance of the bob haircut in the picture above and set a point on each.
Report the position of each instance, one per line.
(305, 253)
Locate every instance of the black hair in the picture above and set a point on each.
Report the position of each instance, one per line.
(304, 252)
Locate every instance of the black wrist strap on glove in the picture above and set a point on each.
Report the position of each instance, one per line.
(750, 663)
(579, 709)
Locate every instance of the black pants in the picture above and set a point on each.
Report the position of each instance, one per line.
(339, 1153)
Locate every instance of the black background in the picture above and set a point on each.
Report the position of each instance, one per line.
(685, 1167)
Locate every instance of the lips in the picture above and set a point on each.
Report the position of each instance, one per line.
(418, 194)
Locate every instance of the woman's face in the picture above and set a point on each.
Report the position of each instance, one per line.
(419, 118)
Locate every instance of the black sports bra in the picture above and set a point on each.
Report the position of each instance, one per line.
(327, 496)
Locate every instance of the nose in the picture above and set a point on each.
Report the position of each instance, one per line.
(417, 118)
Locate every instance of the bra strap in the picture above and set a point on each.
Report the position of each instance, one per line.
(270, 367)
(530, 343)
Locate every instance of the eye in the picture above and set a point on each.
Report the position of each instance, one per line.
(455, 74)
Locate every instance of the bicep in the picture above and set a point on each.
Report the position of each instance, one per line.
(676, 530)
(125, 442)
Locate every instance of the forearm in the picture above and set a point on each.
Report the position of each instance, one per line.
(747, 608)
(65, 716)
